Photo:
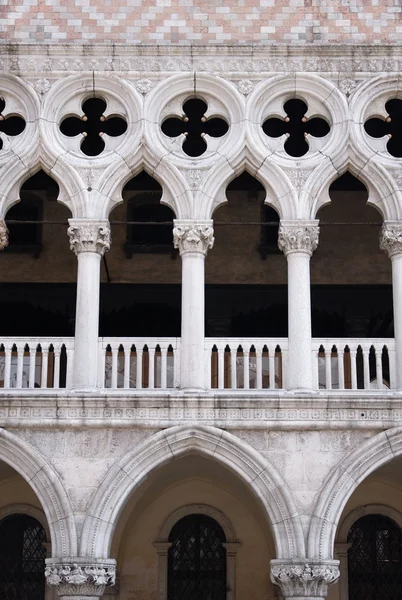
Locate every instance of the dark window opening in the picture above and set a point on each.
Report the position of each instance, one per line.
(269, 231)
(375, 559)
(22, 558)
(92, 125)
(194, 125)
(197, 560)
(23, 220)
(296, 126)
(144, 213)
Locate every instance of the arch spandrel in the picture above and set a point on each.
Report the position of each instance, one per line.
(131, 471)
(44, 481)
(342, 482)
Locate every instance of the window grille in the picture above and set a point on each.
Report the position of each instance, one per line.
(375, 559)
(22, 558)
(197, 560)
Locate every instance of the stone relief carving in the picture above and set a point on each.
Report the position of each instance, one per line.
(246, 86)
(391, 238)
(298, 177)
(85, 580)
(194, 178)
(42, 85)
(3, 235)
(347, 85)
(304, 579)
(144, 86)
(195, 237)
(298, 237)
(91, 237)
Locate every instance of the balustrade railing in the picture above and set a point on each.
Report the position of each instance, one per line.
(246, 363)
(230, 363)
(36, 362)
(354, 363)
(141, 363)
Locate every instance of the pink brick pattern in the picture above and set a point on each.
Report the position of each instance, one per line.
(202, 21)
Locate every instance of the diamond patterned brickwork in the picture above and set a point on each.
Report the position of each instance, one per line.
(193, 21)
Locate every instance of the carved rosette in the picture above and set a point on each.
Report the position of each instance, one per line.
(80, 579)
(3, 235)
(193, 236)
(391, 238)
(304, 579)
(298, 236)
(89, 236)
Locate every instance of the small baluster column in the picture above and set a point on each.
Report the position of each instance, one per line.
(298, 240)
(193, 239)
(391, 243)
(89, 240)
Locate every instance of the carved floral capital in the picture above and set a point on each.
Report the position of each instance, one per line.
(391, 238)
(193, 236)
(3, 235)
(298, 579)
(298, 236)
(80, 578)
(89, 236)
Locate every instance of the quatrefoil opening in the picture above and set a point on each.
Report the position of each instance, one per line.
(10, 125)
(195, 126)
(390, 126)
(296, 126)
(93, 125)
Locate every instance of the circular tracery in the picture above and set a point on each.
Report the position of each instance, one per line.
(195, 126)
(390, 126)
(92, 125)
(10, 124)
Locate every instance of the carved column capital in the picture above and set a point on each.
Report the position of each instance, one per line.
(80, 577)
(391, 238)
(3, 235)
(299, 579)
(87, 235)
(298, 236)
(193, 236)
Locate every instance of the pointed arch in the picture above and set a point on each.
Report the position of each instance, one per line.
(130, 472)
(40, 475)
(382, 191)
(280, 194)
(342, 482)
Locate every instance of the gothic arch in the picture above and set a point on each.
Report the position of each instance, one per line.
(342, 482)
(34, 468)
(128, 474)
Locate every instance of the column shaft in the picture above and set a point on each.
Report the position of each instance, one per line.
(298, 240)
(193, 238)
(89, 240)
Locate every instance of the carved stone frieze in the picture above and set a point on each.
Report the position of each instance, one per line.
(89, 236)
(298, 236)
(78, 578)
(391, 238)
(193, 236)
(301, 579)
(3, 235)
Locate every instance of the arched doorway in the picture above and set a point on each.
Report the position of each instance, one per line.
(22, 558)
(375, 559)
(196, 559)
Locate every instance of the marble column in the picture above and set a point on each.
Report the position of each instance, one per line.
(89, 240)
(193, 239)
(391, 243)
(303, 579)
(3, 235)
(80, 578)
(298, 240)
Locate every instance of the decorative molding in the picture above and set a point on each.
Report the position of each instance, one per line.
(199, 509)
(80, 578)
(298, 579)
(298, 236)
(89, 236)
(193, 236)
(3, 235)
(391, 238)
